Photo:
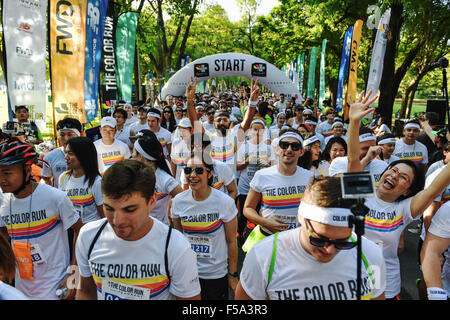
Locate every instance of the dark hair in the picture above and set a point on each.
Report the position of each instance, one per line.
(325, 155)
(385, 136)
(7, 259)
(432, 117)
(418, 181)
(207, 161)
(69, 122)
(170, 125)
(128, 176)
(262, 108)
(364, 130)
(122, 112)
(86, 153)
(154, 110)
(150, 144)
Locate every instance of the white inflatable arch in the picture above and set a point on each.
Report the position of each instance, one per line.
(231, 64)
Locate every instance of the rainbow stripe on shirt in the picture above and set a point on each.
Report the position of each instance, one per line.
(201, 227)
(109, 161)
(282, 202)
(384, 225)
(222, 156)
(36, 229)
(160, 196)
(327, 133)
(84, 201)
(218, 185)
(414, 159)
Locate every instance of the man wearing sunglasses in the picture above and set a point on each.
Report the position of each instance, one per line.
(208, 125)
(279, 189)
(317, 261)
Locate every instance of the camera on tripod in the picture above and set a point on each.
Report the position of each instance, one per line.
(17, 129)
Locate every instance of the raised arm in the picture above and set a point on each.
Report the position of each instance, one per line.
(251, 110)
(358, 110)
(192, 115)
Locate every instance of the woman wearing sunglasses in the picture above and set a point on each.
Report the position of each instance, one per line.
(316, 261)
(208, 219)
(279, 189)
(148, 149)
(168, 121)
(400, 197)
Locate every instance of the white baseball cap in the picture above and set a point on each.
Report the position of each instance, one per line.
(108, 121)
(185, 123)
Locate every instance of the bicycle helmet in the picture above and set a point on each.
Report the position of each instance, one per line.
(13, 151)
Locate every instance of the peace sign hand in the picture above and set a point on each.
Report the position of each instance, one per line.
(254, 90)
(190, 89)
(358, 110)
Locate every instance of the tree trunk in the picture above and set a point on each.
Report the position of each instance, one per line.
(186, 35)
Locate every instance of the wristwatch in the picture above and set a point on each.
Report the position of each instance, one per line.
(233, 274)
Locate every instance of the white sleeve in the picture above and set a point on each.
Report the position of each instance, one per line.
(97, 192)
(440, 224)
(253, 279)
(255, 183)
(228, 207)
(338, 165)
(170, 184)
(81, 252)
(227, 174)
(174, 208)
(67, 212)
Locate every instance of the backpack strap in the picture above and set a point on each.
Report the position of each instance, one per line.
(96, 237)
(366, 263)
(272, 262)
(166, 259)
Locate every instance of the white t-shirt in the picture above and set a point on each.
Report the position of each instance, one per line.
(209, 127)
(445, 196)
(107, 155)
(384, 225)
(124, 136)
(375, 167)
(262, 151)
(135, 270)
(85, 199)
(281, 195)
(325, 129)
(297, 275)
(382, 129)
(179, 155)
(10, 293)
(165, 184)
(203, 225)
(434, 167)
(322, 170)
(136, 127)
(130, 121)
(391, 159)
(416, 152)
(222, 176)
(440, 227)
(52, 213)
(165, 138)
(224, 148)
(280, 105)
(55, 159)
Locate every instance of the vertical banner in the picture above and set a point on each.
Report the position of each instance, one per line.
(108, 64)
(379, 49)
(322, 73)
(301, 71)
(353, 66)
(312, 72)
(125, 48)
(67, 40)
(343, 67)
(95, 22)
(25, 37)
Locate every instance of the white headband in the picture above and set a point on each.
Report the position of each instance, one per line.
(336, 123)
(141, 151)
(310, 140)
(258, 121)
(153, 114)
(367, 137)
(70, 129)
(337, 217)
(280, 113)
(290, 134)
(412, 125)
(310, 122)
(387, 140)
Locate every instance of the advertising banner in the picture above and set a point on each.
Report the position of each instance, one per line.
(343, 67)
(312, 72)
(322, 73)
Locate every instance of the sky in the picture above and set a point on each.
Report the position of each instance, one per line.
(233, 12)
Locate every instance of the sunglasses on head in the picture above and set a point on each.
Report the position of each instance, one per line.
(325, 242)
(66, 125)
(197, 170)
(295, 146)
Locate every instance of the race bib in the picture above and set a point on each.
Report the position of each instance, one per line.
(113, 290)
(201, 245)
(292, 221)
(36, 255)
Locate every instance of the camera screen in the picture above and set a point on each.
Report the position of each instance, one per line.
(359, 185)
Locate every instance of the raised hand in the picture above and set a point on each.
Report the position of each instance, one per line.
(358, 110)
(254, 90)
(190, 89)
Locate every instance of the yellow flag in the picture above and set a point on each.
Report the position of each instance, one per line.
(67, 45)
(353, 66)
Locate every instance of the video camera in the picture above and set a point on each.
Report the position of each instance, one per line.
(13, 128)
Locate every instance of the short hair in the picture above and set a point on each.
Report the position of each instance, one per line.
(70, 123)
(364, 130)
(22, 106)
(122, 112)
(385, 136)
(432, 117)
(326, 192)
(154, 110)
(325, 155)
(128, 176)
(418, 182)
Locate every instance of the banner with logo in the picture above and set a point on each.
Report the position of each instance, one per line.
(322, 73)
(301, 71)
(67, 43)
(379, 49)
(312, 72)
(353, 66)
(125, 48)
(343, 67)
(95, 22)
(24, 31)
(108, 64)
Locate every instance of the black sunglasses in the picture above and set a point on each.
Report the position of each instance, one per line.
(198, 170)
(66, 125)
(322, 242)
(295, 146)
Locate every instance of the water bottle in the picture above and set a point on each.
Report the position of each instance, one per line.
(61, 293)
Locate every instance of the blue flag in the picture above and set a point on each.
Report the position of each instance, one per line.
(343, 68)
(95, 24)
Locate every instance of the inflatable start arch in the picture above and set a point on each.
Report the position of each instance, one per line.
(231, 64)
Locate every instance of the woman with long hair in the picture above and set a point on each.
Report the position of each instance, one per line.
(207, 217)
(168, 121)
(399, 199)
(82, 181)
(336, 147)
(311, 157)
(148, 149)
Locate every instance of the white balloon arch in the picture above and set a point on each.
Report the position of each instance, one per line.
(231, 64)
